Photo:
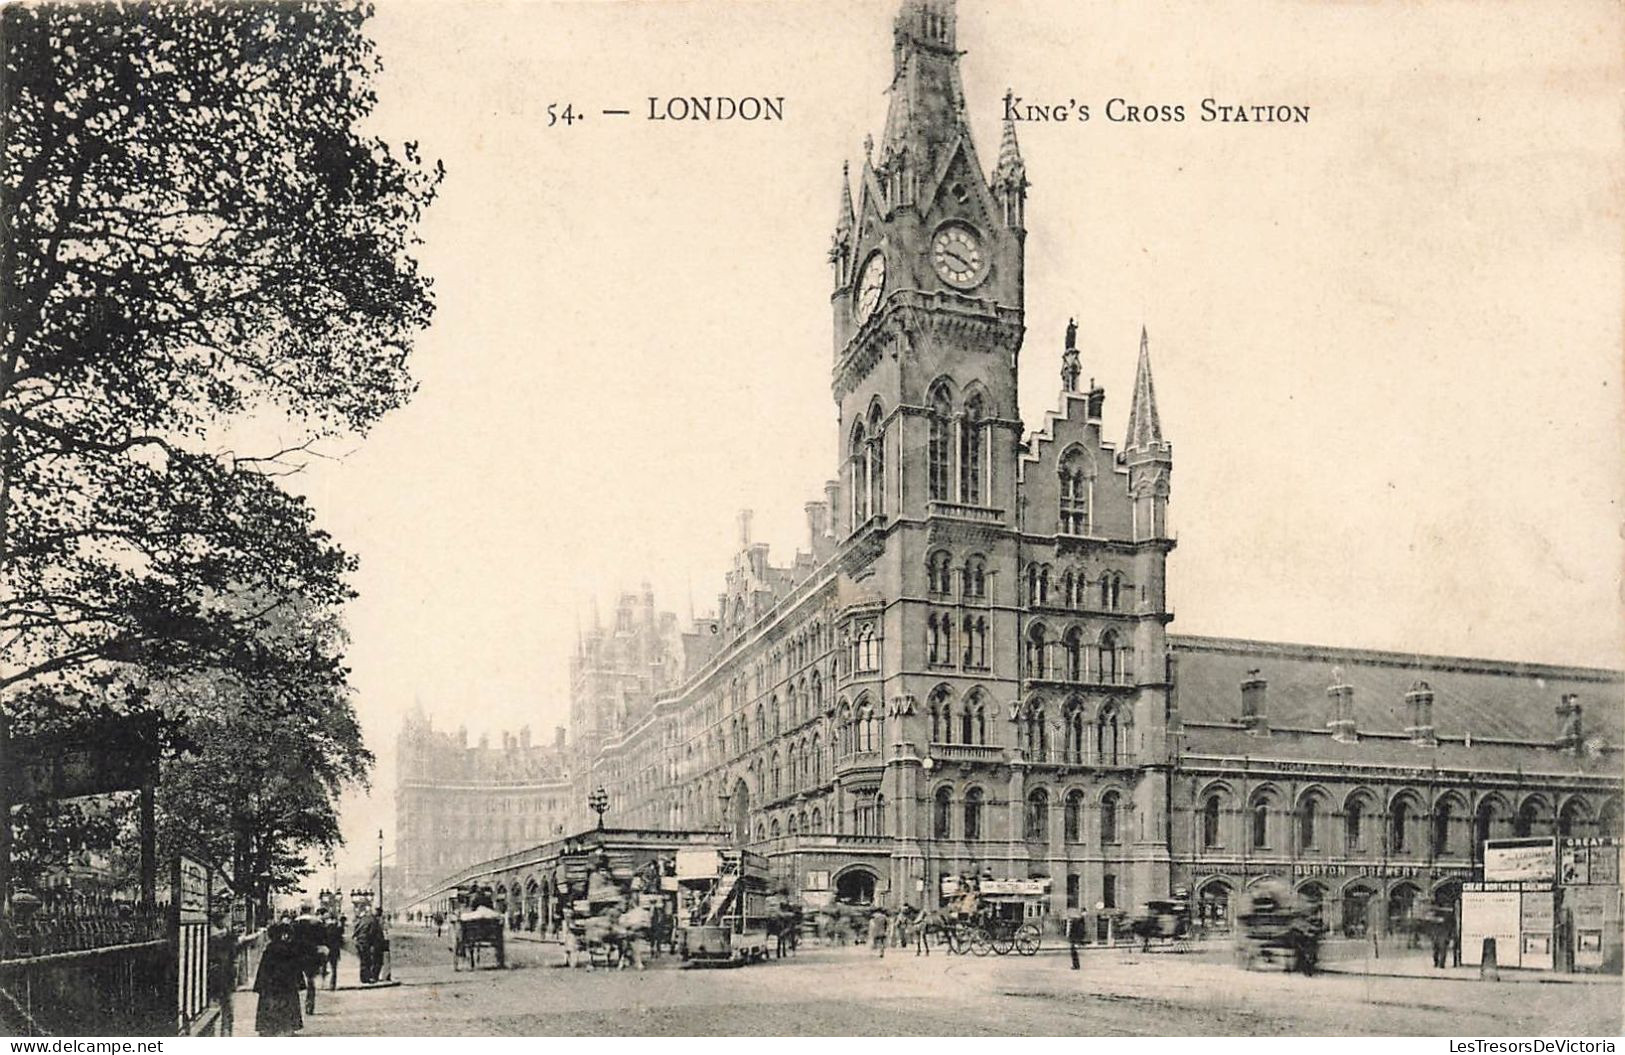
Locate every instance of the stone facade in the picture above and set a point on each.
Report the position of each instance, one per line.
(967, 669)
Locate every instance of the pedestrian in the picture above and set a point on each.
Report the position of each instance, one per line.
(277, 982)
(369, 936)
(878, 931)
(1439, 937)
(223, 941)
(335, 944)
(310, 934)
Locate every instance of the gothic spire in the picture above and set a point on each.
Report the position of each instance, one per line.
(845, 216)
(1011, 171)
(926, 112)
(1144, 427)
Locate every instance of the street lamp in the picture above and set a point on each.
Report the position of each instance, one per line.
(598, 802)
(380, 905)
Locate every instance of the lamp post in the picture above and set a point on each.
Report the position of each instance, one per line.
(598, 802)
(380, 904)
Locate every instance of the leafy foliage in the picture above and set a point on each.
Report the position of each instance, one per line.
(194, 230)
(198, 245)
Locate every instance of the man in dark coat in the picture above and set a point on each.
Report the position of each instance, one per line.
(281, 971)
(309, 934)
(335, 944)
(369, 945)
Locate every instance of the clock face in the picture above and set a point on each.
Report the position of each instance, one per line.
(871, 284)
(956, 253)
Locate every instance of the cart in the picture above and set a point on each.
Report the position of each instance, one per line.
(475, 925)
(1167, 921)
(1277, 928)
(980, 923)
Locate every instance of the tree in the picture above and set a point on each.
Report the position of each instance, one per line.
(195, 234)
(263, 759)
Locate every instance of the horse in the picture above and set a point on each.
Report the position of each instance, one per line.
(928, 923)
(785, 927)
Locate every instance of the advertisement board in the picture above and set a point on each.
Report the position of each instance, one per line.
(1535, 921)
(1030, 887)
(698, 864)
(1490, 914)
(1528, 860)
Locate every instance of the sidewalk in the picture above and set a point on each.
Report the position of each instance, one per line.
(1410, 965)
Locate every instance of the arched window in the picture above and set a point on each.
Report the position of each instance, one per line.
(942, 811)
(1037, 652)
(877, 463)
(1108, 736)
(817, 695)
(1043, 584)
(817, 760)
(942, 718)
(843, 729)
(1038, 815)
(761, 724)
(1075, 736)
(970, 453)
(817, 821)
(858, 475)
(940, 451)
(1106, 591)
(1528, 817)
(1035, 733)
(777, 775)
(973, 721)
(1117, 590)
(1210, 821)
(1072, 817)
(975, 642)
(1354, 825)
(1108, 658)
(1399, 822)
(792, 825)
(939, 576)
(1261, 822)
(1308, 822)
(973, 813)
(1442, 821)
(1573, 820)
(1077, 492)
(1072, 645)
(975, 577)
(1108, 817)
(1032, 584)
(933, 639)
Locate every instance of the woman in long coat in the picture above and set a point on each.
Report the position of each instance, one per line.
(278, 982)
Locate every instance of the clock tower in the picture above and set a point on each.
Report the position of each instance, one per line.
(927, 300)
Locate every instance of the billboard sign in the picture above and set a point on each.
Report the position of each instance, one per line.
(1523, 860)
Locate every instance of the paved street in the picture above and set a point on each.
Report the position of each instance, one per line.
(840, 991)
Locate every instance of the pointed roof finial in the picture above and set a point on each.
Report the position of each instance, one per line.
(1010, 169)
(1144, 426)
(845, 217)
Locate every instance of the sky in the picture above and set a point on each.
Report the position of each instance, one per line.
(1386, 341)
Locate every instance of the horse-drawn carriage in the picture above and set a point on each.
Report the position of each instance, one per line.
(1164, 920)
(992, 919)
(475, 925)
(1277, 927)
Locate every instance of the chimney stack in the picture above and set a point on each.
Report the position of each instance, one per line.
(1419, 708)
(1254, 704)
(817, 524)
(744, 528)
(1342, 696)
(1570, 735)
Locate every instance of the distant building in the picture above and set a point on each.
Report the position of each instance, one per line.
(456, 804)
